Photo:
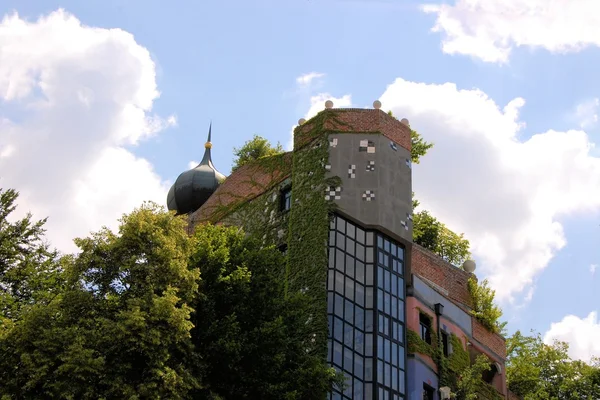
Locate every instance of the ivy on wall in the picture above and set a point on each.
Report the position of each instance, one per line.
(452, 368)
(309, 225)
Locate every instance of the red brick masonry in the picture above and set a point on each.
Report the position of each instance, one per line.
(357, 120)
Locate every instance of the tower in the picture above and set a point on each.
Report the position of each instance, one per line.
(193, 187)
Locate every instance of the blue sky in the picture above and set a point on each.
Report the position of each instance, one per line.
(79, 100)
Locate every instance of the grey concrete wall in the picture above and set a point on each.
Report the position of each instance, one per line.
(376, 181)
(430, 297)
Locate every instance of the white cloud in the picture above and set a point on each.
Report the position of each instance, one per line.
(586, 113)
(581, 334)
(593, 269)
(506, 195)
(317, 104)
(490, 29)
(306, 79)
(192, 164)
(79, 96)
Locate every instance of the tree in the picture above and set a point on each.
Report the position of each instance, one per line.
(254, 149)
(536, 370)
(133, 319)
(470, 383)
(121, 326)
(484, 308)
(252, 338)
(29, 269)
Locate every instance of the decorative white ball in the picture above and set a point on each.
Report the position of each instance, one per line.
(301, 121)
(329, 104)
(377, 104)
(469, 266)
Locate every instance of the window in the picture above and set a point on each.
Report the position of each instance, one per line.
(286, 199)
(425, 327)
(445, 348)
(427, 392)
(283, 248)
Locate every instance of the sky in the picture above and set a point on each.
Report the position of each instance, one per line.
(104, 103)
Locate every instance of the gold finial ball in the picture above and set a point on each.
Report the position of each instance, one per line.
(301, 121)
(329, 104)
(208, 145)
(377, 104)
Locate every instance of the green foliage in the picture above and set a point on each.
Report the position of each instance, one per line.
(470, 385)
(29, 269)
(419, 147)
(254, 149)
(132, 319)
(120, 326)
(309, 229)
(484, 308)
(536, 370)
(252, 339)
(430, 233)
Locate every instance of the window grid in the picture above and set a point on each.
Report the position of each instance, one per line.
(352, 289)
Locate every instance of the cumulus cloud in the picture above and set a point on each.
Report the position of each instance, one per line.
(581, 333)
(317, 104)
(593, 269)
(505, 194)
(77, 97)
(490, 29)
(586, 113)
(305, 80)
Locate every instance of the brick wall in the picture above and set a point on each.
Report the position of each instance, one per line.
(356, 120)
(430, 266)
(493, 341)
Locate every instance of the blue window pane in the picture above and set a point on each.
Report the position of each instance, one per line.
(330, 302)
(339, 282)
(394, 308)
(360, 252)
(368, 345)
(380, 242)
(360, 272)
(359, 341)
(360, 295)
(388, 281)
(387, 372)
(394, 286)
(380, 347)
(358, 389)
(369, 321)
(380, 277)
(360, 235)
(386, 245)
(348, 390)
(386, 301)
(401, 357)
(350, 230)
(380, 258)
(339, 305)
(338, 330)
(337, 353)
(369, 297)
(330, 279)
(349, 246)
(350, 266)
(394, 250)
(348, 360)
(386, 325)
(380, 371)
(379, 300)
(341, 225)
(400, 287)
(369, 275)
(387, 350)
(368, 391)
(395, 330)
(329, 350)
(349, 288)
(340, 241)
(386, 261)
(401, 310)
(394, 378)
(401, 383)
(395, 354)
(330, 325)
(359, 318)
(369, 238)
(349, 315)
(339, 260)
(368, 369)
(380, 323)
(336, 396)
(348, 335)
(358, 366)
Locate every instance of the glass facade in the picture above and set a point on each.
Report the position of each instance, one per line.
(365, 289)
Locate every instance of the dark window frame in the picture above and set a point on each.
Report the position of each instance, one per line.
(445, 338)
(285, 199)
(425, 323)
(428, 392)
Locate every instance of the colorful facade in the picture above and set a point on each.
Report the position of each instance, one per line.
(340, 205)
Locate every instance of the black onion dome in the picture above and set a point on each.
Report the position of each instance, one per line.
(192, 188)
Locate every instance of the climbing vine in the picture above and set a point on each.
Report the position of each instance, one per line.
(455, 367)
(309, 222)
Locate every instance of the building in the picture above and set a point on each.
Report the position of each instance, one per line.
(340, 205)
